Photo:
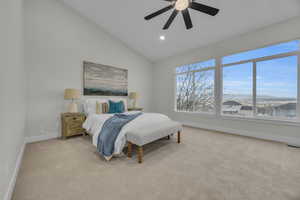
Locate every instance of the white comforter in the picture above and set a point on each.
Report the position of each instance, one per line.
(94, 123)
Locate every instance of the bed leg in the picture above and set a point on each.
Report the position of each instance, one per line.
(178, 137)
(140, 154)
(129, 150)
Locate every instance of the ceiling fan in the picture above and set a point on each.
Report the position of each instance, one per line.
(182, 6)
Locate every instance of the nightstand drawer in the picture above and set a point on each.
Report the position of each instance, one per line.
(72, 124)
(73, 132)
(75, 119)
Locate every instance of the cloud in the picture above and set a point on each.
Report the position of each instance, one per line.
(237, 83)
(274, 85)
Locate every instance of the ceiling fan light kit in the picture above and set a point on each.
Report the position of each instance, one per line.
(183, 7)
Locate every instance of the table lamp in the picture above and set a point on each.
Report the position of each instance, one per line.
(134, 96)
(72, 94)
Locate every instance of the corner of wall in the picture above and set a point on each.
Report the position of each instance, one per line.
(12, 182)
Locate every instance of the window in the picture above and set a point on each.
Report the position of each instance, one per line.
(277, 87)
(263, 52)
(262, 82)
(196, 66)
(237, 90)
(195, 87)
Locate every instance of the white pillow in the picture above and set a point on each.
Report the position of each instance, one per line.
(90, 105)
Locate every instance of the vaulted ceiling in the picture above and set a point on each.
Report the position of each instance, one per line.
(125, 20)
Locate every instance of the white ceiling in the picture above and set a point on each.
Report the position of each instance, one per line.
(125, 20)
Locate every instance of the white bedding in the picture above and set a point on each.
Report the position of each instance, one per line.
(94, 123)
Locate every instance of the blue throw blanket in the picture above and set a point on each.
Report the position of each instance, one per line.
(110, 131)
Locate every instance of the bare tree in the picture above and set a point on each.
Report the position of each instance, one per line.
(195, 91)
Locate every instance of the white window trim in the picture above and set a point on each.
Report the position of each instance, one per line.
(255, 118)
(261, 47)
(254, 84)
(211, 114)
(298, 88)
(283, 55)
(218, 89)
(195, 71)
(264, 120)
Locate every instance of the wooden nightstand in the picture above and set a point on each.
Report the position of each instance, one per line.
(71, 124)
(135, 109)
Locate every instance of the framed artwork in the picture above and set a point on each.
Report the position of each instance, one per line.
(103, 80)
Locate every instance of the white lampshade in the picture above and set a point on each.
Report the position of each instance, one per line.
(71, 94)
(134, 95)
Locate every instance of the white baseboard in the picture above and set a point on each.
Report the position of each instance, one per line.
(12, 183)
(39, 138)
(288, 140)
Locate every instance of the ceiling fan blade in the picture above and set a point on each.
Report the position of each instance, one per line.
(170, 20)
(187, 19)
(159, 12)
(204, 8)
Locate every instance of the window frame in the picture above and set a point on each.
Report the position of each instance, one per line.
(254, 83)
(213, 68)
(218, 88)
(222, 89)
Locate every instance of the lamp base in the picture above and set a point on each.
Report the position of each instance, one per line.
(134, 103)
(72, 108)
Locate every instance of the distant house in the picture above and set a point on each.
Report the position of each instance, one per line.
(286, 110)
(265, 111)
(231, 103)
(231, 107)
(246, 110)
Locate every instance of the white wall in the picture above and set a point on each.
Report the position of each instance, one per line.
(12, 89)
(164, 88)
(57, 41)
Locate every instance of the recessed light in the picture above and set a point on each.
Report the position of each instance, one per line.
(162, 37)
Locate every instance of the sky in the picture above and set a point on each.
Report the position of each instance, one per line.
(277, 77)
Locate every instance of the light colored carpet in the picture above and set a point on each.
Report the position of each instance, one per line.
(206, 166)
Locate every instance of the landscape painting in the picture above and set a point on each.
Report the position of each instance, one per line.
(103, 80)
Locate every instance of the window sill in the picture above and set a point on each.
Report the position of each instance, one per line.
(263, 120)
(247, 119)
(211, 114)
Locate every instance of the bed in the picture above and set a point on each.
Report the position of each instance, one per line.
(94, 123)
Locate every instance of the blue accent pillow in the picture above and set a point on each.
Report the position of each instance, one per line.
(116, 107)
